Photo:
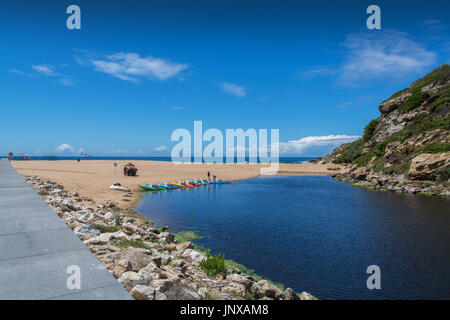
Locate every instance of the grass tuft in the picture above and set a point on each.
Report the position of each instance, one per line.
(437, 147)
(213, 264)
(124, 243)
(105, 229)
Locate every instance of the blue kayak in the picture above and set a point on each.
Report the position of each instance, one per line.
(166, 187)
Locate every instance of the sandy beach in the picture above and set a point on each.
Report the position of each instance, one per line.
(93, 178)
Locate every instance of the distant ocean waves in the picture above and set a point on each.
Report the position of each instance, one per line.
(130, 158)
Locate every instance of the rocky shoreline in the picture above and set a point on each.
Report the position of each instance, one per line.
(365, 177)
(148, 262)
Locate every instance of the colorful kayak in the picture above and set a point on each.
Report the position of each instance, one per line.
(148, 188)
(177, 185)
(197, 182)
(166, 187)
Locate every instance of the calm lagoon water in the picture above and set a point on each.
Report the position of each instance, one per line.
(315, 234)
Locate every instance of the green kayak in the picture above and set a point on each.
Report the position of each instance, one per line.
(148, 188)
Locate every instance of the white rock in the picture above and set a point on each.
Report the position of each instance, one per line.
(161, 284)
(306, 296)
(131, 279)
(110, 216)
(121, 266)
(146, 274)
(239, 279)
(105, 238)
(263, 289)
(86, 229)
(160, 296)
(193, 255)
(234, 289)
(141, 292)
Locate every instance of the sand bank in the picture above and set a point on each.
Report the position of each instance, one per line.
(92, 178)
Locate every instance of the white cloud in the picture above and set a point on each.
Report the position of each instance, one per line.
(45, 69)
(160, 148)
(321, 144)
(130, 66)
(22, 73)
(234, 89)
(48, 71)
(373, 56)
(389, 54)
(65, 147)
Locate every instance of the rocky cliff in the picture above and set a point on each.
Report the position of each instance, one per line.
(407, 148)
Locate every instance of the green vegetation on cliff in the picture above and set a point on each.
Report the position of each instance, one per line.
(214, 264)
(412, 130)
(369, 129)
(414, 101)
(439, 75)
(437, 147)
(353, 152)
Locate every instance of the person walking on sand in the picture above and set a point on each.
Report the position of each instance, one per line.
(209, 175)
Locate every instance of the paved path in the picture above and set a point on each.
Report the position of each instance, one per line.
(36, 248)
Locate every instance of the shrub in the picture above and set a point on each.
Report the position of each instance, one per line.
(104, 229)
(380, 148)
(414, 101)
(213, 264)
(440, 74)
(420, 125)
(351, 152)
(438, 100)
(363, 160)
(437, 147)
(124, 243)
(369, 129)
(400, 169)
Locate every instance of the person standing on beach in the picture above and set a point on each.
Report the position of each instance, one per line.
(209, 175)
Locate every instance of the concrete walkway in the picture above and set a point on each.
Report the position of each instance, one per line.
(37, 247)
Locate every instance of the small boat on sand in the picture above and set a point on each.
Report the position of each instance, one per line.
(149, 187)
(118, 187)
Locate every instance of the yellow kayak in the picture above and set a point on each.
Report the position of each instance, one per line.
(178, 185)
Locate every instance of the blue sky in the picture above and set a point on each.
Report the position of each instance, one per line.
(137, 70)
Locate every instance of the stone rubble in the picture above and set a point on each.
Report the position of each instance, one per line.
(149, 264)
